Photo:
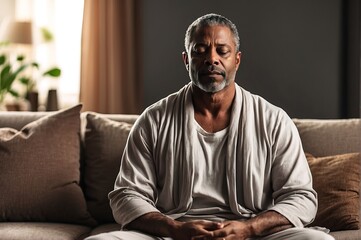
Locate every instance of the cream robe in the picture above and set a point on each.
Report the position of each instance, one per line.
(266, 168)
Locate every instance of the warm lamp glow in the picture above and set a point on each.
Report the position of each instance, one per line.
(17, 32)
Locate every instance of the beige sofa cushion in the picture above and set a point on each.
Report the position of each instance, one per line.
(104, 143)
(39, 167)
(42, 231)
(336, 180)
(330, 137)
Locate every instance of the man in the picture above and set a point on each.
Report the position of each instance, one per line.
(213, 161)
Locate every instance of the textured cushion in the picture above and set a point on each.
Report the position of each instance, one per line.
(104, 228)
(336, 179)
(329, 137)
(104, 143)
(347, 234)
(42, 231)
(39, 167)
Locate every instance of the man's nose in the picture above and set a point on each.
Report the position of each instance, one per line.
(212, 57)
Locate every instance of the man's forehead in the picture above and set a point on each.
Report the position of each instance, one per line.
(221, 32)
(213, 27)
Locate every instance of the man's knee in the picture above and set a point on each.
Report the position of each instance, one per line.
(318, 235)
(122, 235)
(102, 236)
(300, 233)
(312, 234)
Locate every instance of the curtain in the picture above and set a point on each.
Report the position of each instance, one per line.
(110, 76)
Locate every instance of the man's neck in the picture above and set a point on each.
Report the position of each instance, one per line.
(212, 110)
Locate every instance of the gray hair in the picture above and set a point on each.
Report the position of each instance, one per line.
(211, 19)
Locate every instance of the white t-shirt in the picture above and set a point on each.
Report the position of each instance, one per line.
(210, 195)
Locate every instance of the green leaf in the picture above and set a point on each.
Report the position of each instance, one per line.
(4, 75)
(11, 76)
(14, 93)
(47, 35)
(20, 58)
(54, 72)
(8, 81)
(24, 80)
(35, 64)
(2, 59)
(5, 70)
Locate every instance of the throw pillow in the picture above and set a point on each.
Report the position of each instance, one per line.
(336, 179)
(104, 143)
(39, 167)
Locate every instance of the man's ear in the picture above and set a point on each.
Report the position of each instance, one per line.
(238, 59)
(185, 59)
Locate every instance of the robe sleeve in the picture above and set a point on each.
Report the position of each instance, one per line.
(134, 191)
(293, 194)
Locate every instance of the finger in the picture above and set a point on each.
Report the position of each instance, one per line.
(219, 234)
(212, 225)
(201, 232)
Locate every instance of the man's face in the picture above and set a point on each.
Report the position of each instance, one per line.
(212, 60)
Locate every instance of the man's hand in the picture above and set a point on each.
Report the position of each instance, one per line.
(231, 230)
(157, 224)
(192, 230)
(262, 225)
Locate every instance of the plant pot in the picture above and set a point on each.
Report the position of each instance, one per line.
(33, 98)
(52, 101)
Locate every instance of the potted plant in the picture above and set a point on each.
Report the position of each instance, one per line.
(31, 93)
(8, 75)
(11, 73)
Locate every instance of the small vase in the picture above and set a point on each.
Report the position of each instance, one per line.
(33, 98)
(52, 101)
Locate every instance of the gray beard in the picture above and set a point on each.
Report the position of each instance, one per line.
(211, 87)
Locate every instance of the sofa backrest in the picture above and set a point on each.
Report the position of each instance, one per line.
(319, 137)
(128, 118)
(17, 120)
(329, 137)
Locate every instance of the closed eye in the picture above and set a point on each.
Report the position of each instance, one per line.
(223, 50)
(199, 49)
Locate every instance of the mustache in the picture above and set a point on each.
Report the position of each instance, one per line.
(212, 70)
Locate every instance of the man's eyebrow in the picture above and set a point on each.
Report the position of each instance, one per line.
(223, 45)
(206, 44)
(200, 44)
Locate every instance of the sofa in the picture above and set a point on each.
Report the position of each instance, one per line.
(58, 167)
